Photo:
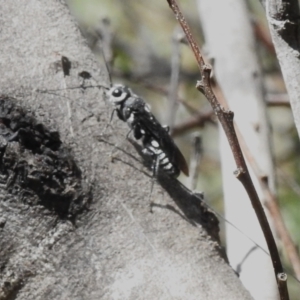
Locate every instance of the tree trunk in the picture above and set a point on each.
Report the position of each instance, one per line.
(283, 19)
(73, 224)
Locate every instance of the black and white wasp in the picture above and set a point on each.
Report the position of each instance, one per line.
(156, 139)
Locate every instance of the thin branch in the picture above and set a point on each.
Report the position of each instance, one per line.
(272, 205)
(174, 80)
(263, 36)
(198, 121)
(201, 118)
(242, 173)
(274, 100)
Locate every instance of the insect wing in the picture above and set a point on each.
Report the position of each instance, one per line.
(149, 123)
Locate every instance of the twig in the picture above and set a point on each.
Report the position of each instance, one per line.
(274, 100)
(197, 121)
(174, 81)
(242, 173)
(272, 205)
(263, 35)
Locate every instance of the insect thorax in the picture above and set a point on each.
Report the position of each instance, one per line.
(155, 138)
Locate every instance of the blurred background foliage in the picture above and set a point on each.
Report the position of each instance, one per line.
(138, 44)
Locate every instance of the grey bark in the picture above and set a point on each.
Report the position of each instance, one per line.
(74, 225)
(283, 20)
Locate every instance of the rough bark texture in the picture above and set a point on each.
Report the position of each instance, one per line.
(73, 225)
(230, 41)
(283, 19)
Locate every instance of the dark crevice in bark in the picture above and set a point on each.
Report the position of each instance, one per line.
(35, 166)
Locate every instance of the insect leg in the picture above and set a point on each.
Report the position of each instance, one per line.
(127, 135)
(109, 123)
(155, 167)
(118, 145)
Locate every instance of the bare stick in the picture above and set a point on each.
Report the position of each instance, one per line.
(174, 81)
(198, 121)
(242, 173)
(263, 36)
(272, 205)
(274, 100)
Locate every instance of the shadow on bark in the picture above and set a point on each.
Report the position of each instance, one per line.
(190, 204)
